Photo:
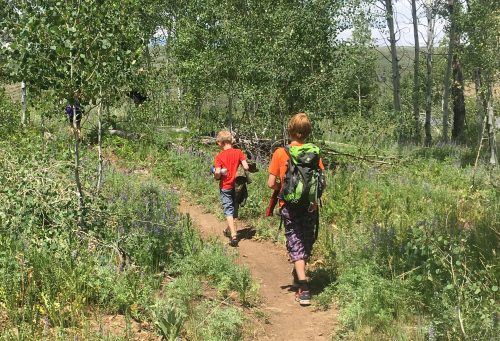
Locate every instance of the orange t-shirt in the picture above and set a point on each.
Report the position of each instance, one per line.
(229, 159)
(278, 164)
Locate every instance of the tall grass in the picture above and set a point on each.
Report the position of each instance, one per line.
(56, 277)
(408, 251)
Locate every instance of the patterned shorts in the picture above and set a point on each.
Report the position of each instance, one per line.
(299, 232)
(229, 206)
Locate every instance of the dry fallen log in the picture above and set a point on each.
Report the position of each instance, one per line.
(124, 134)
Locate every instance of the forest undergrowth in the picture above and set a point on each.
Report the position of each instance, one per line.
(407, 250)
(135, 257)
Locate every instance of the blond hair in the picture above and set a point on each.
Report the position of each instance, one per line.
(299, 126)
(224, 137)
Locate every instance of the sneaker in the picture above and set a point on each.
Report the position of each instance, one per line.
(303, 296)
(227, 232)
(234, 242)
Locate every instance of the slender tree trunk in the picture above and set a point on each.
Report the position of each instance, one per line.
(360, 104)
(428, 85)
(180, 106)
(23, 104)
(480, 105)
(416, 70)
(457, 133)
(199, 104)
(99, 142)
(79, 192)
(491, 128)
(446, 94)
(76, 135)
(230, 108)
(394, 57)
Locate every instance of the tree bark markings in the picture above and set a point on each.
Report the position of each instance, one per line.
(428, 59)
(416, 79)
(394, 57)
(457, 91)
(446, 90)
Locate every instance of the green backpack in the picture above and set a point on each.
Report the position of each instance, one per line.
(303, 182)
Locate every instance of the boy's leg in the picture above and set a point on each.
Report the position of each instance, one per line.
(300, 238)
(231, 224)
(234, 229)
(300, 269)
(227, 200)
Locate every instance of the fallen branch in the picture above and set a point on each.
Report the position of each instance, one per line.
(124, 134)
(357, 157)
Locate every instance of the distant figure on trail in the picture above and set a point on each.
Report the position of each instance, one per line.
(299, 212)
(226, 166)
(76, 108)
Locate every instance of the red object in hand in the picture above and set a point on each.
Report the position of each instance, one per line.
(272, 203)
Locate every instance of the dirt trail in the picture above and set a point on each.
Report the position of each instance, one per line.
(268, 265)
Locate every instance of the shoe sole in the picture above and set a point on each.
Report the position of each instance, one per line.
(305, 302)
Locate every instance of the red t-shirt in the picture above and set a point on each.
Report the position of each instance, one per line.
(229, 159)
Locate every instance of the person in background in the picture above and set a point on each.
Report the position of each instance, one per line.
(76, 110)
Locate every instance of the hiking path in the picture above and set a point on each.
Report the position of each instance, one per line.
(268, 264)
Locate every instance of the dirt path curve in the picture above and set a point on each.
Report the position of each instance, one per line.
(268, 264)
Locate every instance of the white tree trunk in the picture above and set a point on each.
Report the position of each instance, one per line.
(23, 104)
(428, 85)
(416, 69)
(76, 135)
(230, 105)
(99, 142)
(79, 192)
(396, 89)
(491, 128)
(447, 76)
(479, 100)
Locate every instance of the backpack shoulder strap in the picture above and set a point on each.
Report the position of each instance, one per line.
(287, 150)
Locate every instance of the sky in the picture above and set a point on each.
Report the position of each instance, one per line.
(404, 26)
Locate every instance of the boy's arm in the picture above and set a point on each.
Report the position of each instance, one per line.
(218, 167)
(244, 163)
(217, 174)
(271, 182)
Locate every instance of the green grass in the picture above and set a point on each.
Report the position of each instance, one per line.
(401, 246)
(55, 277)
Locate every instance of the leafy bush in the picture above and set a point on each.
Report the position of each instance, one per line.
(52, 272)
(10, 117)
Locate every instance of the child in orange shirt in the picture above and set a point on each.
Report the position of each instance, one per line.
(300, 223)
(226, 166)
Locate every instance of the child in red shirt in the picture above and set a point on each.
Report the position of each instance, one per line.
(226, 166)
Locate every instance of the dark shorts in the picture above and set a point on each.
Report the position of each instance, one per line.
(299, 231)
(229, 206)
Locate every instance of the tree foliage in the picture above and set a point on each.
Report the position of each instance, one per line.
(73, 47)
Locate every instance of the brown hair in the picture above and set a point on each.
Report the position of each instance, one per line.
(224, 137)
(299, 126)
